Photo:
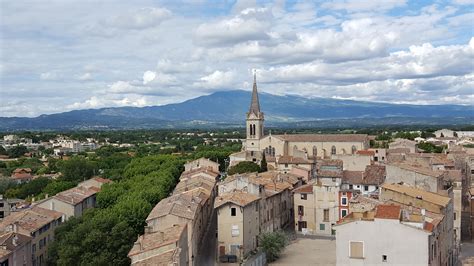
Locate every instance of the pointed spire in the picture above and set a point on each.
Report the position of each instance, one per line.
(255, 104)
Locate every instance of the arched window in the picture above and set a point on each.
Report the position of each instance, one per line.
(354, 149)
(333, 150)
(273, 152)
(266, 151)
(315, 151)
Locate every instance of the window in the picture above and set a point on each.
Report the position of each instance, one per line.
(333, 150)
(326, 215)
(315, 151)
(256, 206)
(344, 201)
(384, 258)
(454, 216)
(300, 210)
(286, 165)
(304, 196)
(1, 205)
(343, 213)
(2, 214)
(322, 227)
(235, 230)
(351, 187)
(233, 212)
(354, 149)
(366, 188)
(356, 250)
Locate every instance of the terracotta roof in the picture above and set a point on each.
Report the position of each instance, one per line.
(323, 137)
(237, 197)
(6, 240)
(29, 220)
(154, 240)
(199, 170)
(398, 150)
(454, 175)
(329, 162)
(308, 188)
(365, 152)
(353, 177)
(195, 182)
(76, 195)
(181, 205)
(293, 160)
(388, 212)
(21, 170)
(418, 169)
(21, 176)
(163, 259)
(419, 193)
(270, 180)
(102, 180)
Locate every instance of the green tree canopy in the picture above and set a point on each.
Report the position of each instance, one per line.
(273, 243)
(244, 167)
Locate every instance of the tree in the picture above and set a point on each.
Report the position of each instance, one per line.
(244, 167)
(17, 151)
(263, 164)
(273, 243)
(77, 169)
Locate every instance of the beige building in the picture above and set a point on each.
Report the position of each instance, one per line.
(74, 201)
(431, 202)
(250, 204)
(294, 145)
(365, 182)
(410, 145)
(179, 209)
(15, 249)
(389, 235)
(39, 224)
(201, 163)
(163, 247)
(416, 175)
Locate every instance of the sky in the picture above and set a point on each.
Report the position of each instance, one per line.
(62, 55)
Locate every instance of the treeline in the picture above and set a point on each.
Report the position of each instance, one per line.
(103, 236)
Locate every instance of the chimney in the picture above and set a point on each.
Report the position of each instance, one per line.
(15, 240)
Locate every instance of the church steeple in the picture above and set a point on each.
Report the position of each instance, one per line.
(254, 104)
(254, 118)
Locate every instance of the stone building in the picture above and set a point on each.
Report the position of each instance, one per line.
(16, 249)
(163, 247)
(37, 223)
(390, 235)
(294, 145)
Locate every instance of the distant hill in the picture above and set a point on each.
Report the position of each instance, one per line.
(228, 108)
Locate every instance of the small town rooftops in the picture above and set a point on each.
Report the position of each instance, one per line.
(236, 197)
(29, 220)
(388, 212)
(305, 189)
(365, 153)
(286, 159)
(417, 169)
(419, 194)
(76, 195)
(157, 239)
(323, 137)
(11, 241)
(373, 175)
(181, 205)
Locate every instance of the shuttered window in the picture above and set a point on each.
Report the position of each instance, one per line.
(356, 250)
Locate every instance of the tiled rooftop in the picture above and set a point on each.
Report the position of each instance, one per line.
(418, 193)
(323, 137)
(158, 239)
(76, 195)
(388, 212)
(181, 205)
(237, 197)
(29, 220)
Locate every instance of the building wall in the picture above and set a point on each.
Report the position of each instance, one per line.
(396, 174)
(353, 162)
(251, 228)
(403, 245)
(309, 212)
(380, 154)
(21, 255)
(225, 222)
(39, 252)
(60, 206)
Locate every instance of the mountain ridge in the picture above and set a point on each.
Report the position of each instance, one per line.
(229, 107)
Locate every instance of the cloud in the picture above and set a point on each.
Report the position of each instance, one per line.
(48, 76)
(85, 76)
(217, 79)
(148, 76)
(139, 19)
(357, 6)
(250, 24)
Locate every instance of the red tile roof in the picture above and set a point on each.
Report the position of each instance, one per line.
(366, 152)
(388, 212)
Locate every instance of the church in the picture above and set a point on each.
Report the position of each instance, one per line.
(299, 149)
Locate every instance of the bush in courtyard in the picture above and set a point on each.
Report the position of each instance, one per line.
(273, 243)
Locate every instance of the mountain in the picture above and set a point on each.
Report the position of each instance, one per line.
(228, 108)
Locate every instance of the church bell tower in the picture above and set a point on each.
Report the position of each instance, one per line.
(254, 121)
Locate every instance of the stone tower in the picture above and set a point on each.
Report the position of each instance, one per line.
(254, 121)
